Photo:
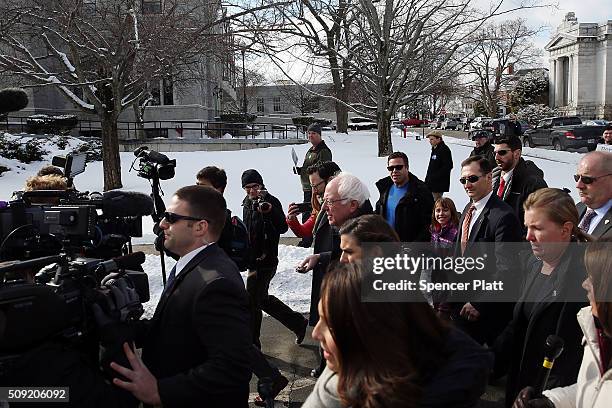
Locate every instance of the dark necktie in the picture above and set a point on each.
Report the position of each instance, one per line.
(171, 279)
(585, 223)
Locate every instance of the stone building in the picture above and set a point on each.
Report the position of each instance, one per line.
(580, 56)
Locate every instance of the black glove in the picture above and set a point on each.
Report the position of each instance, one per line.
(527, 399)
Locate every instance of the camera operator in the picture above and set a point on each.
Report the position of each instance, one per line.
(265, 220)
(46, 182)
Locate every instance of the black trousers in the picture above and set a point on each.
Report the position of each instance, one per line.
(258, 283)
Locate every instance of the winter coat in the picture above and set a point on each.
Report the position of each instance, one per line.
(520, 346)
(526, 178)
(314, 155)
(458, 384)
(264, 231)
(439, 169)
(592, 389)
(444, 238)
(413, 212)
(326, 243)
(487, 151)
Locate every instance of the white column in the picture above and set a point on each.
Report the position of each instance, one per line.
(559, 82)
(552, 83)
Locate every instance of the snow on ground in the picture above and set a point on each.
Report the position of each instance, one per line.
(289, 286)
(355, 152)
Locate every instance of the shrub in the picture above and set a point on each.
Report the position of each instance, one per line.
(237, 117)
(92, 147)
(13, 99)
(45, 124)
(27, 152)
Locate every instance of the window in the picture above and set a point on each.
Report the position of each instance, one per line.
(276, 101)
(151, 6)
(162, 92)
(168, 91)
(260, 105)
(89, 7)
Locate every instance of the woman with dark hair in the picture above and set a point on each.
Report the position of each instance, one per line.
(319, 175)
(366, 228)
(391, 354)
(550, 297)
(594, 386)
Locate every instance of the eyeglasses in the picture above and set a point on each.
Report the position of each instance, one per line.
(397, 167)
(589, 179)
(171, 218)
(330, 203)
(471, 179)
(251, 187)
(315, 186)
(501, 152)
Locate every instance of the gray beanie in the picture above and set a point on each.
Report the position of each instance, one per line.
(315, 127)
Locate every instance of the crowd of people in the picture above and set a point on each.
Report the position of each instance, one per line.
(202, 344)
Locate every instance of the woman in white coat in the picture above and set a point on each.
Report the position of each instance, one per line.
(593, 388)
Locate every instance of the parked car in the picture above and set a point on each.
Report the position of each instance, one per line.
(449, 123)
(414, 122)
(436, 123)
(477, 122)
(563, 132)
(465, 123)
(360, 123)
(596, 122)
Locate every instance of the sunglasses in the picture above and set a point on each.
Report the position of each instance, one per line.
(471, 179)
(397, 167)
(588, 179)
(171, 218)
(501, 152)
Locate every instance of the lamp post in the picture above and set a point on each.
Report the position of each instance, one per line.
(244, 98)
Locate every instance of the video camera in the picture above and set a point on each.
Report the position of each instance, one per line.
(55, 263)
(153, 164)
(55, 303)
(98, 225)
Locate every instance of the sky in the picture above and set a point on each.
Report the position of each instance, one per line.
(548, 18)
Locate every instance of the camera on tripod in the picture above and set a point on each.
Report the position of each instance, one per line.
(260, 204)
(153, 164)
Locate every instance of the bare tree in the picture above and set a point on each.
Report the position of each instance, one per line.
(304, 96)
(103, 54)
(501, 47)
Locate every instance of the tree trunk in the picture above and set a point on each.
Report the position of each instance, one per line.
(385, 145)
(341, 118)
(111, 162)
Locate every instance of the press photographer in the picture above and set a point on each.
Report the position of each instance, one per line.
(265, 220)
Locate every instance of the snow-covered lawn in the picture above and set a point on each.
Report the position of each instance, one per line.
(355, 152)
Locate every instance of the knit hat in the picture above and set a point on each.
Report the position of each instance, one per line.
(251, 176)
(314, 127)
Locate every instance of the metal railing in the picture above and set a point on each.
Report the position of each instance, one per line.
(174, 129)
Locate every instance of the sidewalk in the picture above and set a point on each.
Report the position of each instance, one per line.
(295, 362)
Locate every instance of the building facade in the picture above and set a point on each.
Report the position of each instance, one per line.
(580, 57)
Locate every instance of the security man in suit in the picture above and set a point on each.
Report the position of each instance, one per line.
(196, 347)
(486, 220)
(594, 183)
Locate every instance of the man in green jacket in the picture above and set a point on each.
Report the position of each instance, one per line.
(318, 152)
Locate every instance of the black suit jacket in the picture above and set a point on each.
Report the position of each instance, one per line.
(604, 228)
(496, 225)
(198, 341)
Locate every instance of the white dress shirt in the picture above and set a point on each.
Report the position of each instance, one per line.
(184, 260)
(601, 212)
(480, 205)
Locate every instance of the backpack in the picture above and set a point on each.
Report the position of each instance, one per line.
(237, 245)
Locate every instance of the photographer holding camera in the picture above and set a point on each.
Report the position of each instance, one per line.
(265, 220)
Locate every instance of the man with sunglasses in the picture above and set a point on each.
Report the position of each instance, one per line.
(594, 183)
(265, 220)
(515, 178)
(486, 220)
(405, 201)
(196, 348)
